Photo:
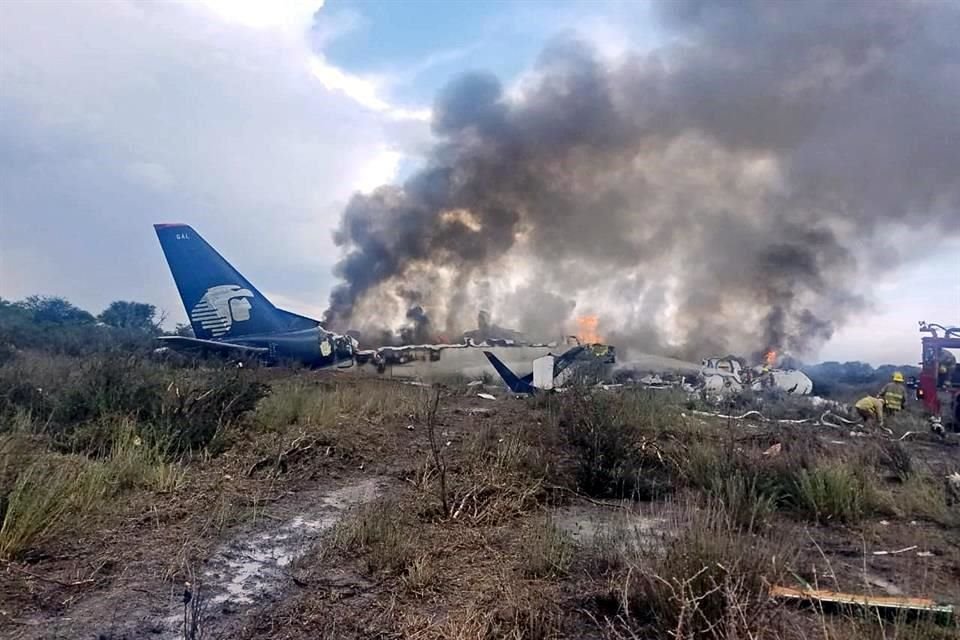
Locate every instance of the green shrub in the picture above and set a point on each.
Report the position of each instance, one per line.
(71, 398)
(835, 492)
(744, 499)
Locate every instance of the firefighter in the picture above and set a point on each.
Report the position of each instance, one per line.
(870, 410)
(946, 364)
(894, 394)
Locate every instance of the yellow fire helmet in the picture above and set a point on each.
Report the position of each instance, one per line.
(897, 376)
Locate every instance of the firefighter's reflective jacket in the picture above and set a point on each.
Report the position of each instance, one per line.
(893, 394)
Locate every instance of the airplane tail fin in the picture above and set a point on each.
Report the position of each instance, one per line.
(514, 383)
(219, 301)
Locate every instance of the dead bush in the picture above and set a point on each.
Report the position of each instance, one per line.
(547, 551)
(615, 457)
(924, 497)
(706, 579)
(893, 458)
(379, 531)
(512, 610)
(421, 575)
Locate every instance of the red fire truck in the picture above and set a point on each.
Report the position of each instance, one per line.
(939, 385)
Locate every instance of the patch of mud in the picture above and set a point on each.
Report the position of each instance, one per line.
(888, 587)
(242, 575)
(251, 570)
(248, 568)
(585, 522)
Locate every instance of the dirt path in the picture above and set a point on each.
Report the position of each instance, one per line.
(243, 575)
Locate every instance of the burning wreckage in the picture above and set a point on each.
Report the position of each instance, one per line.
(230, 317)
(527, 367)
(503, 356)
(730, 375)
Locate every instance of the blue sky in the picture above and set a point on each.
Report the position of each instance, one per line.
(256, 121)
(421, 44)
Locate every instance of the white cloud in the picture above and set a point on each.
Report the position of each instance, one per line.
(364, 91)
(117, 115)
(293, 16)
(381, 169)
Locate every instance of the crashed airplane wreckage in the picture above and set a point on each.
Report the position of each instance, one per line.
(719, 377)
(231, 317)
(723, 376)
(551, 372)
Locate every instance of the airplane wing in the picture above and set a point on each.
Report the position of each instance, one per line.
(226, 348)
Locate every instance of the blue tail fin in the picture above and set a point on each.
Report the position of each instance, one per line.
(219, 301)
(515, 384)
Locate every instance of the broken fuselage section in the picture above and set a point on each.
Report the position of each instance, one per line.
(722, 376)
(588, 362)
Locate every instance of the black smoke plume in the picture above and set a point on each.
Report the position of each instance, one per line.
(728, 190)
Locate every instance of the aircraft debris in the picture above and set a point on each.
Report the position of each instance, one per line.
(550, 372)
(472, 411)
(882, 604)
(893, 553)
(727, 375)
(486, 396)
(774, 450)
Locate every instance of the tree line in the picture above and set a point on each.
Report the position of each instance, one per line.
(53, 323)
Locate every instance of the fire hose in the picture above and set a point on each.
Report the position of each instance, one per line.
(827, 419)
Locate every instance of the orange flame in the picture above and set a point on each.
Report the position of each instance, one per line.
(770, 357)
(587, 329)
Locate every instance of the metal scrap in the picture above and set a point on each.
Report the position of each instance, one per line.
(891, 553)
(895, 604)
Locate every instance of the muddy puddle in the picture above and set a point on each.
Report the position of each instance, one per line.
(249, 571)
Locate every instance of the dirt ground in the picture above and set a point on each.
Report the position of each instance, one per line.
(252, 536)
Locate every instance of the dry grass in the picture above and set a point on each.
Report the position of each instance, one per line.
(547, 551)
(512, 610)
(873, 628)
(52, 491)
(705, 579)
(421, 575)
(922, 496)
(41, 499)
(380, 532)
(311, 403)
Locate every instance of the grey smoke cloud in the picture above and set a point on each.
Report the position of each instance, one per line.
(728, 191)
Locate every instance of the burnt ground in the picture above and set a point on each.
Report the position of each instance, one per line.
(252, 534)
